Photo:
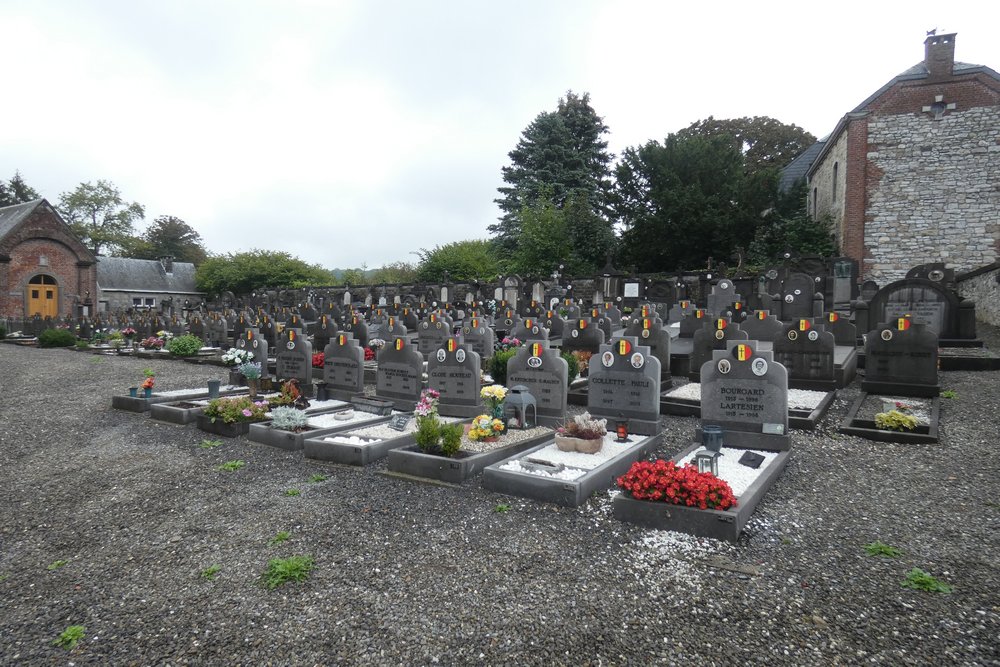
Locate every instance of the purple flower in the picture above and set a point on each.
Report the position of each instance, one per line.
(247, 413)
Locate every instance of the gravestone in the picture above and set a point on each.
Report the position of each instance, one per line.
(901, 357)
(454, 370)
(432, 333)
(530, 328)
(692, 322)
(251, 341)
(744, 391)
(581, 334)
(925, 302)
(308, 312)
(507, 321)
(573, 310)
(723, 295)
(603, 323)
(762, 325)
(805, 349)
(650, 331)
(197, 328)
(613, 314)
(844, 333)
(533, 309)
(240, 325)
(355, 325)
(269, 330)
(409, 318)
(546, 375)
(554, 323)
(478, 335)
(869, 289)
(679, 311)
(324, 330)
(798, 298)
(85, 328)
(625, 383)
(217, 330)
(293, 359)
(399, 377)
(393, 329)
(344, 367)
(714, 334)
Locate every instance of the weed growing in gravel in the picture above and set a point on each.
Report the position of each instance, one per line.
(502, 508)
(282, 536)
(69, 637)
(209, 444)
(948, 393)
(919, 580)
(230, 466)
(318, 478)
(210, 571)
(96, 360)
(879, 548)
(293, 492)
(57, 564)
(4, 577)
(283, 570)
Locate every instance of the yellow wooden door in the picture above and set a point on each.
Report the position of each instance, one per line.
(43, 299)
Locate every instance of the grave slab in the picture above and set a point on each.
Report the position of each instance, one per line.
(856, 424)
(412, 462)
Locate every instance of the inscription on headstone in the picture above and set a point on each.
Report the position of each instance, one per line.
(545, 374)
(453, 369)
(625, 382)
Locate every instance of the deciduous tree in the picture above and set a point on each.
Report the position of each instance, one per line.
(99, 216)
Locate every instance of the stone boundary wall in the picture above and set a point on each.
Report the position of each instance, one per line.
(982, 287)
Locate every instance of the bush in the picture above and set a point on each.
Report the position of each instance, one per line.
(498, 365)
(288, 419)
(56, 338)
(572, 365)
(185, 346)
(428, 433)
(894, 420)
(451, 438)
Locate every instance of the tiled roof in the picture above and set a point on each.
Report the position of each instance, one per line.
(798, 167)
(144, 275)
(10, 216)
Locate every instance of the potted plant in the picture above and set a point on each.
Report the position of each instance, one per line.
(231, 417)
(665, 481)
(493, 397)
(147, 384)
(251, 371)
(486, 428)
(583, 434)
(234, 357)
(129, 334)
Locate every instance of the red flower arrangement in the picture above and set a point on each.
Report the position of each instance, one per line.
(319, 359)
(369, 354)
(665, 481)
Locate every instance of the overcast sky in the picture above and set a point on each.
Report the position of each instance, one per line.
(351, 132)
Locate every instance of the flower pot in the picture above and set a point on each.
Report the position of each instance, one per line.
(133, 392)
(213, 388)
(253, 385)
(147, 393)
(711, 438)
(567, 443)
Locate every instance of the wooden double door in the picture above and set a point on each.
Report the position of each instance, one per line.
(43, 297)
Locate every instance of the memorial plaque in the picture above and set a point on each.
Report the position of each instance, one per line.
(745, 391)
(625, 382)
(399, 376)
(545, 374)
(293, 359)
(400, 422)
(453, 369)
(344, 367)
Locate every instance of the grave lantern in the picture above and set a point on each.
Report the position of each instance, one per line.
(517, 404)
(707, 461)
(621, 429)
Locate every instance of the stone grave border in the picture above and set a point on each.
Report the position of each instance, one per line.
(716, 524)
(804, 420)
(141, 404)
(262, 433)
(410, 462)
(954, 360)
(567, 493)
(864, 428)
(356, 455)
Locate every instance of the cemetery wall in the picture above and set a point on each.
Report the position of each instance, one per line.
(935, 199)
(983, 288)
(829, 200)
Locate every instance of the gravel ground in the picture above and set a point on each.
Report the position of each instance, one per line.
(415, 574)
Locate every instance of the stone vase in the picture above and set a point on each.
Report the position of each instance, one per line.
(567, 443)
(252, 386)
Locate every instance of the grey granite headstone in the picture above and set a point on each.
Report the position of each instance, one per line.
(324, 330)
(680, 310)
(344, 367)
(554, 323)
(762, 325)
(692, 322)
(625, 382)
(453, 369)
(714, 334)
(844, 332)
(722, 296)
(603, 323)
(545, 374)
(649, 331)
(252, 342)
(530, 328)
(901, 357)
(293, 359)
(399, 377)
(269, 330)
(355, 325)
(799, 299)
(432, 333)
(479, 336)
(805, 350)
(581, 334)
(745, 391)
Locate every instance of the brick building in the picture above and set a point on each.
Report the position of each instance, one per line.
(912, 174)
(46, 270)
(44, 267)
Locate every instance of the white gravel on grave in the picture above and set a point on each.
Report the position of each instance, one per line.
(380, 432)
(511, 437)
(349, 440)
(801, 399)
(194, 392)
(577, 464)
(739, 477)
(329, 419)
(316, 406)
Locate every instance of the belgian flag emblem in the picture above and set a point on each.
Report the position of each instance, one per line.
(645, 324)
(342, 340)
(833, 317)
(536, 349)
(249, 335)
(720, 324)
(452, 344)
(354, 320)
(399, 343)
(392, 322)
(433, 317)
(699, 313)
(685, 305)
(583, 324)
(475, 323)
(595, 313)
(624, 347)
(645, 311)
(736, 305)
(804, 325)
(527, 323)
(761, 315)
(743, 352)
(903, 323)
(291, 334)
(548, 314)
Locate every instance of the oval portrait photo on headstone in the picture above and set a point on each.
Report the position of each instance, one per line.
(758, 366)
(608, 359)
(441, 355)
(460, 355)
(720, 334)
(813, 335)
(534, 362)
(574, 333)
(789, 298)
(793, 334)
(290, 345)
(645, 333)
(886, 334)
(725, 366)
(638, 360)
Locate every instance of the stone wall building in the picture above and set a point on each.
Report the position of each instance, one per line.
(912, 174)
(145, 284)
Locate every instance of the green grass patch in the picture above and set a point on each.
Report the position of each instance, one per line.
(948, 393)
(282, 570)
(70, 637)
(919, 580)
(878, 548)
(502, 508)
(210, 571)
(230, 466)
(318, 478)
(210, 444)
(282, 536)
(55, 565)
(292, 492)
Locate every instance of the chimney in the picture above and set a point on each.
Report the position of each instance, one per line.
(168, 264)
(939, 55)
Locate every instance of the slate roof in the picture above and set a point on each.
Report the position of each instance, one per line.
(919, 71)
(10, 216)
(123, 274)
(797, 168)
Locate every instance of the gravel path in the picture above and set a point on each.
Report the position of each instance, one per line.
(414, 574)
